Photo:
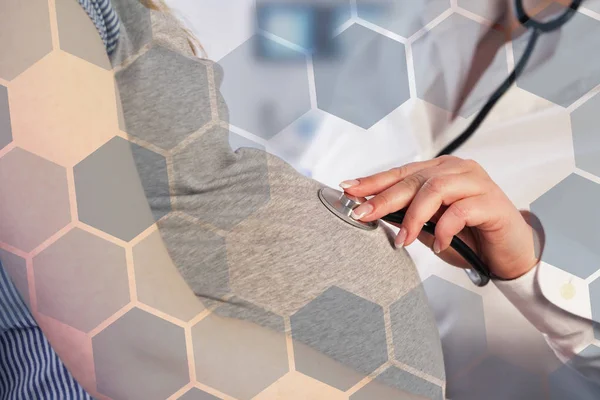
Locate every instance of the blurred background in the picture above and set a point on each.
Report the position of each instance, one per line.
(292, 69)
(329, 84)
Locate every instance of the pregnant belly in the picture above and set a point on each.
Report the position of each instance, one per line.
(340, 304)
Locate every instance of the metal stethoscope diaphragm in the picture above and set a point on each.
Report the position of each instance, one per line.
(342, 204)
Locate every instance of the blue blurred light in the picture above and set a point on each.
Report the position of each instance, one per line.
(293, 23)
(309, 27)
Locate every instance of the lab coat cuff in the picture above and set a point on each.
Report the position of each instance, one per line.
(523, 289)
(526, 295)
(565, 332)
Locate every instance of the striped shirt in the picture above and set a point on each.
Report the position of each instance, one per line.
(29, 367)
(106, 20)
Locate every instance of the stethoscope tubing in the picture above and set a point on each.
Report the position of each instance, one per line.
(537, 28)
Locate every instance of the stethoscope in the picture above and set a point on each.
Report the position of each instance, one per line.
(341, 204)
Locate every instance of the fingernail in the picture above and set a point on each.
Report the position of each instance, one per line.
(436, 246)
(349, 184)
(361, 211)
(400, 238)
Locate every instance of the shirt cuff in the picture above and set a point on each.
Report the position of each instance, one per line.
(567, 333)
(522, 289)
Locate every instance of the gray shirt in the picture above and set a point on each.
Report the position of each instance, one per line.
(250, 237)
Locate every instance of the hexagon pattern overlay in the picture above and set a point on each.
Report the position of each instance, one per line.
(197, 394)
(419, 354)
(143, 107)
(229, 350)
(24, 34)
(34, 176)
(121, 373)
(586, 142)
(263, 98)
(35, 199)
(571, 236)
(443, 92)
(467, 340)
(345, 91)
(54, 86)
(566, 383)
(277, 18)
(297, 386)
(137, 22)
(76, 271)
(115, 206)
(199, 255)
(5, 126)
(595, 302)
(569, 80)
(516, 383)
(488, 10)
(395, 383)
(196, 170)
(152, 170)
(402, 17)
(77, 36)
(345, 327)
(17, 271)
(168, 293)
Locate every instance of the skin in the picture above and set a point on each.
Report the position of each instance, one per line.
(462, 199)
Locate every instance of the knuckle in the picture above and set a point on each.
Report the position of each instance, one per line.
(459, 211)
(435, 185)
(471, 165)
(401, 171)
(382, 200)
(410, 220)
(415, 181)
(443, 231)
(448, 158)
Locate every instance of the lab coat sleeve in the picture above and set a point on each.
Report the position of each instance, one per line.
(568, 334)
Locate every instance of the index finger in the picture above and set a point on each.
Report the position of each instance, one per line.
(377, 183)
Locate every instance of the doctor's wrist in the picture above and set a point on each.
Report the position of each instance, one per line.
(532, 260)
(517, 272)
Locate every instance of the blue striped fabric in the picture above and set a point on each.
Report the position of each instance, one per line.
(106, 20)
(29, 368)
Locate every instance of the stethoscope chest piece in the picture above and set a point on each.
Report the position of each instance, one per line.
(342, 204)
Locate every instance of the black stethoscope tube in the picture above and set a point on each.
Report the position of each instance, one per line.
(537, 29)
(457, 244)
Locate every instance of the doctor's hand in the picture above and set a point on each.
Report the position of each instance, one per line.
(461, 198)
